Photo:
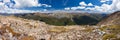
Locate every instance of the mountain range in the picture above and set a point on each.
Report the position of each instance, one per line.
(65, 18)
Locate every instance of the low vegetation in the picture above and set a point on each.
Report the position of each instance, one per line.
(109, 36)
(88, 29)
(112, 32)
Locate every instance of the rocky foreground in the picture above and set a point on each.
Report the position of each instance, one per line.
(14, 28)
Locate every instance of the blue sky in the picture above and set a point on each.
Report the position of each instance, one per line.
(69, 5)
(61, 4)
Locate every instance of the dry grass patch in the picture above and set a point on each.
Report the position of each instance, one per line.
(27, 38)
(103, 28)
(58, 29)
(109, 36)
(88, 29)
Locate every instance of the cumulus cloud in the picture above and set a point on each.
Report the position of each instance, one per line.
(82, 4)
(26, 3)
(90, 4)
(103, 8)
(118, 6)
(8, 6)
(115, 5)
(23, 3)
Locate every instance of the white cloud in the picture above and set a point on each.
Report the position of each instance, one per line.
(12, 11)
(28, 3)
(1, 3)
(2, 6)
(67, 8)
(12, 8)
(90, 4)
(78, 7)
(82, 4)
(118, 6)
(25, 3)
(104, 0)
(46, 5)
(103, 8)
(74, 8)
(6, 0)
(89, 8)
(115, 6)
(106, 7)
(97, 8)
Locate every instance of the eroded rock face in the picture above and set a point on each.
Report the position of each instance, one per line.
(13, 28)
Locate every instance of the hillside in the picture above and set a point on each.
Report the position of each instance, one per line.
(111, 25)
(64, 18)
(112, 19)
(14, 28)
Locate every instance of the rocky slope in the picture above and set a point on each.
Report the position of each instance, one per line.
(111, 25)
(14, 28)
(112, 19)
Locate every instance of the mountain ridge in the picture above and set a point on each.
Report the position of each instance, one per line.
(69, 18)
(113, 18)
